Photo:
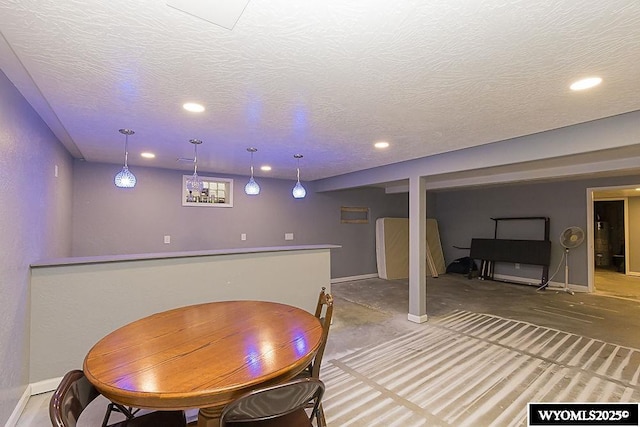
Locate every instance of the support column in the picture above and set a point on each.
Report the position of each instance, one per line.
(417, 250)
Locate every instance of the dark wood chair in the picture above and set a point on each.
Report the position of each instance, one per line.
(324, 312)
(282, 405)
(75, 393)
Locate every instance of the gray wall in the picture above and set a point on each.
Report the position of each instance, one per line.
(108, 220)
(172, 281)
(35, 214)
(633, 252)
(464, 214)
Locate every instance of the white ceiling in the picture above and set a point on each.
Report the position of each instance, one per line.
(323, 78)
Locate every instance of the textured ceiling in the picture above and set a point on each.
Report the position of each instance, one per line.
(323, 78)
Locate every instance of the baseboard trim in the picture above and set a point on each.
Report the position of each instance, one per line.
(417, 319)
(550, 285)
(352, 278)
(45, 386)
(559, 286)
(17, 411)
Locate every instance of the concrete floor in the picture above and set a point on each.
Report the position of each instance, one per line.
(546, 346)
(373, 312)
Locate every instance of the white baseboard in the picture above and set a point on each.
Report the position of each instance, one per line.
(352, 278)
(557, 286)
(417, 319)
(17, 411)
(191, 415)
(534, 282)
(45, 386)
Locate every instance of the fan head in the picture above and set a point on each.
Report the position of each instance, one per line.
(571, 237)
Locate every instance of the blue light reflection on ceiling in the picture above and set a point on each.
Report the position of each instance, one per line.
(254, 111)
(300, 120)
(127, 86)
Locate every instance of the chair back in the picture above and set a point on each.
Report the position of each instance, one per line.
(324, 312)
(274, 402)
(71, 397)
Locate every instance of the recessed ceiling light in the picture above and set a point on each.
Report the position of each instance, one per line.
(381, 144)
(193, 107)
(148, 155)
(265, 168)
(586, 83)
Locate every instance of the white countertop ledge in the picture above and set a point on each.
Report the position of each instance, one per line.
(166, 255)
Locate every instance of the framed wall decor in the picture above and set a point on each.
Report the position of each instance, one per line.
(354, 215)
(216, 192)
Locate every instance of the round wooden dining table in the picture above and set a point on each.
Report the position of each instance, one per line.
(203, 356)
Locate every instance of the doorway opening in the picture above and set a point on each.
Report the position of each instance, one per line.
(609, 243)
(609, 235)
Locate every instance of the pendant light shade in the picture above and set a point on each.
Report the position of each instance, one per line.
(194, 182)
(252, 188)
(298, 190)
(124, 178)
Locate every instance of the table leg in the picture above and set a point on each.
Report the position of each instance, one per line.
(209, 417)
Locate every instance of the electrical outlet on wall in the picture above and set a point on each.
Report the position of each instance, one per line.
(167, 239)
(517, 266)
(243, 236)
(288, 236)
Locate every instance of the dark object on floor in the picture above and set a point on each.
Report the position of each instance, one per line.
(462, 266)
(275, 406)
(491, 251)
(75, 393)
(618, 262)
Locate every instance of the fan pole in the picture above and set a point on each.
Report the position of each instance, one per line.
(566, 271)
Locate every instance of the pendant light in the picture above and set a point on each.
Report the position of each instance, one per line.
(124, 178)
(298, 191)
(252, 188)
(194, 182)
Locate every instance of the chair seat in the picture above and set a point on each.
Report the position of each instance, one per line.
(155, 419)
(297, 418)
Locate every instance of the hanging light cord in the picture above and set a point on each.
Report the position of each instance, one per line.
(298, 170)
(126, 149)
(195, 159)
(251, 164)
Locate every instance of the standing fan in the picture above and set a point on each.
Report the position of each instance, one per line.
(570, 238)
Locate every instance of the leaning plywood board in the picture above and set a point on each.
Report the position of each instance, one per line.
(432, 270)
(392, 248)
(435, 264)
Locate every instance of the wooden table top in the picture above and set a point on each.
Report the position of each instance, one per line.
(203, 355)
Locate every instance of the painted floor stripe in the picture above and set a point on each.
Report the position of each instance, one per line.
(469, 369)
